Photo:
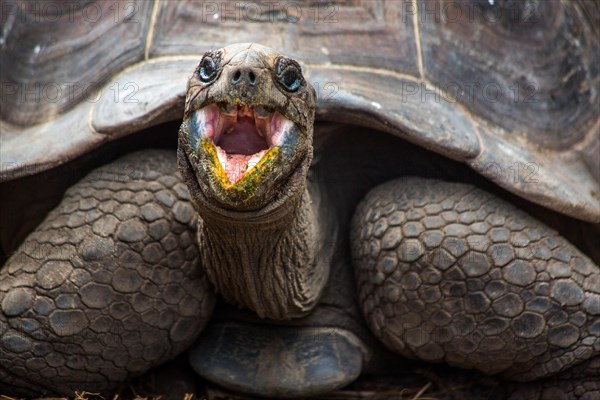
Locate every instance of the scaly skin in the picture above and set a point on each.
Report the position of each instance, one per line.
(260, 267)
(578, 383)
(449, 273)
(108, 285)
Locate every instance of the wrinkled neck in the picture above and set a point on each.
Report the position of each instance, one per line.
(267, 262)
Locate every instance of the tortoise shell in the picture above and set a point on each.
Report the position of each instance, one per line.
(509, 88)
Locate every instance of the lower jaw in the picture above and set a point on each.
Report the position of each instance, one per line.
(250, 180)
(250, 200)
(257, 188)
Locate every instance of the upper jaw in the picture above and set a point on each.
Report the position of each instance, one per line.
(241, 129)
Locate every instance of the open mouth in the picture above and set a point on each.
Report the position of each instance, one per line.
(242, 136)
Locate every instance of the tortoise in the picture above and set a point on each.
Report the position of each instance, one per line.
(404, 222)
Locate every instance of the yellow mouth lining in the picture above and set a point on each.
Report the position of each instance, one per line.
(251, 179)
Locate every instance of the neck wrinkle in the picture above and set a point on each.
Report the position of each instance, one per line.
(269, 267)
(278, 216)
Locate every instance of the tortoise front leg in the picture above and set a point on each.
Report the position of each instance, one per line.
(108, 285)
(449, 273)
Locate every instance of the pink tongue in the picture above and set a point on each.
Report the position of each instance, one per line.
(236, 166)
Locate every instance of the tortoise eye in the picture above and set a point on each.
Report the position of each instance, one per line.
(289, 74)
(208, 67)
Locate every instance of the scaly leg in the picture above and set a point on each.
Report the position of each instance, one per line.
(108, 285)
(449, 273)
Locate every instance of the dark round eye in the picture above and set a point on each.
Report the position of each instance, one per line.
(289, 75)
(208, 68)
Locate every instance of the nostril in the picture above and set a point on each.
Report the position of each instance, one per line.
(243, 76)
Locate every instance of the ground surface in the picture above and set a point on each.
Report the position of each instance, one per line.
(175, 382)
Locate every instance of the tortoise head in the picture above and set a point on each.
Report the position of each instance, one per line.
(247, 127)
